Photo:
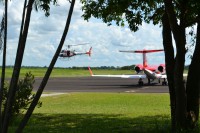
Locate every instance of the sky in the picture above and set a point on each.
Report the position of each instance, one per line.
(106, 41)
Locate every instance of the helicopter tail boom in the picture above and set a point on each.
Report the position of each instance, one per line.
(89, 52)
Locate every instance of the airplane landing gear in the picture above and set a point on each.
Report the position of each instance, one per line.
(149, 82)
(164, 82)
(140, 82)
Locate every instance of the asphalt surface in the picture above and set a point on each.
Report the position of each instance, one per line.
(100, 84)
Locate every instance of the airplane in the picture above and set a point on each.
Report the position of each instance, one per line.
(150, 72)
(66, 53)
(139, 67)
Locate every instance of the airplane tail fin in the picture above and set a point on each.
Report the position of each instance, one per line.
(145, 64)
(91, 73)
(89, 52)
(143, 52)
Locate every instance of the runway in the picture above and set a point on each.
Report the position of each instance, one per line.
(100, 84)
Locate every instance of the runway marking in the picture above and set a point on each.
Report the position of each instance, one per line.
(138, 89)
(131, 91)
(52, 94)
(144, 88)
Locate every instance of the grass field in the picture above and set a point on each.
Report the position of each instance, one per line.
(101, 113)
(64, 72)
(97, 112)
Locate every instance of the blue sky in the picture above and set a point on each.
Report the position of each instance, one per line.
(45, 33)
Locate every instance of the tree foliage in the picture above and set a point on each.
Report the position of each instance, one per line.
(179, 15)
(131, 12)
(24, 94)
(2, 28)
(27, 10)
(48, 72)
(44, 5)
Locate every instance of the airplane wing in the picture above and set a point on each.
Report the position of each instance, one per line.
(153, 75)
(164, 76)
(141, 51)
(118, 76)
(128, 51)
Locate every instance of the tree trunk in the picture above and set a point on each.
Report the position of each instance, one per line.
(3, 65)
(17, 67)
(47, 75)
(179, 36)
(193, 86)
(169, 63)
(179, 87)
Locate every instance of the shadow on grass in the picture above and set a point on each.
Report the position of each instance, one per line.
(94, 123)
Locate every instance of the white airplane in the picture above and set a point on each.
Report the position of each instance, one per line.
(148, 74)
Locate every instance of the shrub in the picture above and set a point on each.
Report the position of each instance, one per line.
(24, 95)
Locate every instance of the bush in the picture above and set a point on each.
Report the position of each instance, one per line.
(24, 95)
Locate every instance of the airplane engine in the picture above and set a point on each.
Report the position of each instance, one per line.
(138, 68)
(161, 68)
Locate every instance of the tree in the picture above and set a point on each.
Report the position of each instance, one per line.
(19, 55)
(4, 28)
(193, 86)
(4, 35)
(48, 72)
(179, 37)
(187, 102)
(17, 66)
(170, 62)
(168, 13)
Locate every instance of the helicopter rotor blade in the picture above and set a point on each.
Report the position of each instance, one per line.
(77, 44)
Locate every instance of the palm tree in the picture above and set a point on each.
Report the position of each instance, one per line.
(4, 28)
(48, 72)
(17, 66)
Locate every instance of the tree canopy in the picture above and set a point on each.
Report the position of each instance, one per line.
(134, 12)
(174, 16)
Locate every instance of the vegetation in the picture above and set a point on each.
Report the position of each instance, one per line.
(24, 95)
(101, 112)
(74, 71)
(174, 16)
(69, 72)
(26, 15)
(3, 45)
(92, 112)
(51, 65)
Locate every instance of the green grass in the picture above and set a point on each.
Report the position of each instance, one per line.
(101, 113)
(64, 72)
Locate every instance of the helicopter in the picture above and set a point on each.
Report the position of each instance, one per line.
(67, 53)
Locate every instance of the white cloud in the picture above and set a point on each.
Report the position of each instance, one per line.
(45, 33)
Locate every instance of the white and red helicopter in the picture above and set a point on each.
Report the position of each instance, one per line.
(67, 53)
(149, 72)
